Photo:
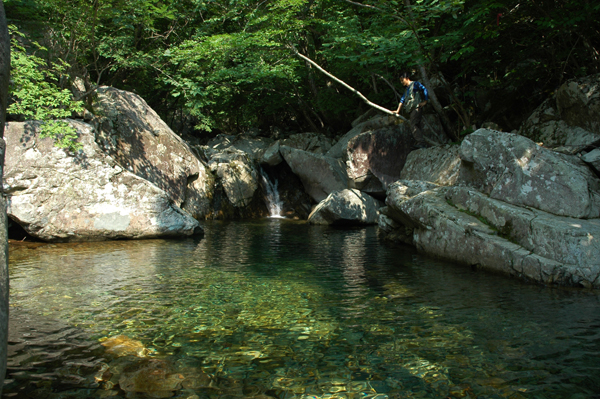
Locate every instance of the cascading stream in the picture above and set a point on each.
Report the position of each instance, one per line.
(272, 199)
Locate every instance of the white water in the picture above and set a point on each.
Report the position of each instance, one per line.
(271, 196)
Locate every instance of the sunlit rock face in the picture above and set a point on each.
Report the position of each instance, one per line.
(515, 207)
(464, 225)
(439, 165)
(515, 170)
(346, 207)
(135, 136)
(60, 196)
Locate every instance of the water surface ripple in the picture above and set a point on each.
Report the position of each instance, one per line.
(280, 309)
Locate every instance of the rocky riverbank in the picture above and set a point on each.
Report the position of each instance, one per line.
(499, 201)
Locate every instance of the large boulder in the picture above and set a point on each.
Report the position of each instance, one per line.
(466, 226)
(135, 136)
(545, 126)
(346, 207)
(578, 103)
(58, 196)
(311, 142)
(439, 165)
(515, 170)
(338, 149)
(374, 159)
(320, 175)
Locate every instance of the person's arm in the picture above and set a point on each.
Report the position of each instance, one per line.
(425, 94)
(400, 105)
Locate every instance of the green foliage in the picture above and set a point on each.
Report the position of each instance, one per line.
(36, 95)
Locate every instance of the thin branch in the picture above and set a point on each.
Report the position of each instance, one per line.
(352, 89)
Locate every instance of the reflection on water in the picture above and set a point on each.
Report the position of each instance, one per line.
(279, 309)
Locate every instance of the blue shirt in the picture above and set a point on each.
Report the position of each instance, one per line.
(417, 86)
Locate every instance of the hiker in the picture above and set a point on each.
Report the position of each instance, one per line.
(414, 99)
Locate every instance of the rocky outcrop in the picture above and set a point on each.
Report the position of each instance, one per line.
(439, 165)
(465, 226)
(375, 159)
(568, 122)
(58, 196)
(346, 207)
(516, 208)
(320, 175)
(514, 169)
(135, 136)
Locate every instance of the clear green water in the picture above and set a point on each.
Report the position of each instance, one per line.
(279, 309)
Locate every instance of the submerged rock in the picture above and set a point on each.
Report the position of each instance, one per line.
(122, 345)
(59, 196)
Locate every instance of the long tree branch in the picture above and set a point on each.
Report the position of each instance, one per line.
(346, 85)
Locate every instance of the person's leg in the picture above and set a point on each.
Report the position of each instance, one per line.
(415, 118)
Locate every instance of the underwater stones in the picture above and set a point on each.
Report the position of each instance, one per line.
(153, 377)
(122, 345)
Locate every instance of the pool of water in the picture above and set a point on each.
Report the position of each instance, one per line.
(279, 309)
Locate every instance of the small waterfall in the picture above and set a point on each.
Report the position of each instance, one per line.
(271, 195)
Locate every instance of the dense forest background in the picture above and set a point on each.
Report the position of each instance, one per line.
(213, 66)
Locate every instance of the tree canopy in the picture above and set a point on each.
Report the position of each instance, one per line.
(214, 66)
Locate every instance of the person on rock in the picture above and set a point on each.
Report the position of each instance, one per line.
(413, 102)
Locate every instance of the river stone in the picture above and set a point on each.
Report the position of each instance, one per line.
(552, 251)
(514, 169)
(4, 80)
(439, 165)
(320, 175)
(58, 196)
(254, 148)
(346, 207)
(153, 377)
(239, 179)
(135, 136)
(271, 156)
(578, 102)
(374, 159)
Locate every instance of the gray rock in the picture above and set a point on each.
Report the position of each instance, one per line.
(272, 157)
(254, 148)
(239, 179)
(578, 102)
(142, 143)
(374, 159)
(311, 142)
(592, 158)
(377, 122)
(514, 169)
(346, 207)
(545, 127)
(320, 175)
(463, 225)
(58, 196)
(439, 165)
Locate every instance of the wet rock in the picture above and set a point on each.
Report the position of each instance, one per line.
(346, 207)
(59, 196)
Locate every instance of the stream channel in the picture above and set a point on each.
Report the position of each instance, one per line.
(276, 308)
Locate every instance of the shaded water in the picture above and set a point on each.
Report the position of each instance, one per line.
(279, 309)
